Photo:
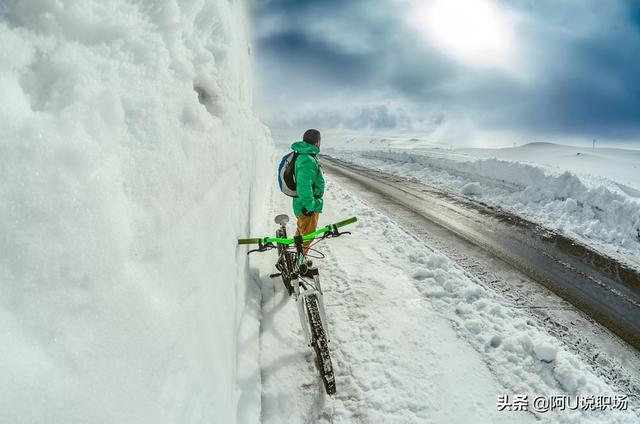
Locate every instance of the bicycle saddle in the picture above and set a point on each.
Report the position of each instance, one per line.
(282, 219)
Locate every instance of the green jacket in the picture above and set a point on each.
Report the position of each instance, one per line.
(309, 179)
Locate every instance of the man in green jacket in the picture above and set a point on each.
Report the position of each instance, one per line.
(309, 184)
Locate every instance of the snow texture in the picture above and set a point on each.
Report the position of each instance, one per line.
(413, 338)
(130, 163)
(591, 207)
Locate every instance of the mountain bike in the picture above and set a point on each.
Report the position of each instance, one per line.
(302, 280)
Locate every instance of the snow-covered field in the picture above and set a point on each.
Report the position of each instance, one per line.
(130, 161)
(414, 338)
(590, 194)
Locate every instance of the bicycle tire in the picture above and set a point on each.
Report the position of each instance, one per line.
(281, 233)
(320, 345)
(284, 264)
(289, 266)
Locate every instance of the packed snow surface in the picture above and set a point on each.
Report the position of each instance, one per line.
(589, 194)
(413, 337)
(130, 163)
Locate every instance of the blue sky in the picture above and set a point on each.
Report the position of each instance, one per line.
(528, 70)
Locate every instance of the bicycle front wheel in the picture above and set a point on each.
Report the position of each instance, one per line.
(320, 345)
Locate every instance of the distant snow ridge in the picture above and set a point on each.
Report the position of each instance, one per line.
(130, 163)
(562, 201)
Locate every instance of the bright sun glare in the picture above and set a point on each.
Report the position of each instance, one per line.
(475, 32)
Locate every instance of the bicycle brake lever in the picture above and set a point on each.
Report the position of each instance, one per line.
(334, 233)
(263, 247)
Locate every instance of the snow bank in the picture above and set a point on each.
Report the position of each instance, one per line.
(590, 209)
(610, 164)
(130, 162)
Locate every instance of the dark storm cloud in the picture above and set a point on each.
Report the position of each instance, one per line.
(314, 57)
(634, 13)
(350, 59)
(599, 94)
(589, 83)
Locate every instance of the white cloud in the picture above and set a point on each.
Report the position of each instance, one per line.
(477, 33)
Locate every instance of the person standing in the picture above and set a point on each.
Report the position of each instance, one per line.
(309, 184)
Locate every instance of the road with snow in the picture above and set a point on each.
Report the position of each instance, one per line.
(607, 290)
(427, 327)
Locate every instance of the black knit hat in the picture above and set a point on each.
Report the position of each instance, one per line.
(311, 136)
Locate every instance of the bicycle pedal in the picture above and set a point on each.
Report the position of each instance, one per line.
(278, 274)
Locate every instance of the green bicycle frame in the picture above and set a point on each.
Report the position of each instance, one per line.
(306, 237)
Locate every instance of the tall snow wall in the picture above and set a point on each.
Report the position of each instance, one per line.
(130, 161)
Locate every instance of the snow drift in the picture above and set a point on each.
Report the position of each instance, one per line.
(599, 211)
(130, 162)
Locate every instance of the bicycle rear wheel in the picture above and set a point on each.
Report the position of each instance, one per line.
(320, 345)
(285, 263)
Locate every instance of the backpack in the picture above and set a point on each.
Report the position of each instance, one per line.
(286, 174)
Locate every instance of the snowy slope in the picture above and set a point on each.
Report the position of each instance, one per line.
(130, 163)
(577, 194)
(621, 166)
(414, 337)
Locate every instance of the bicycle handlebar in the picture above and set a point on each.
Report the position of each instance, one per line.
(249, 241)
(346, 222)
(306, 237)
